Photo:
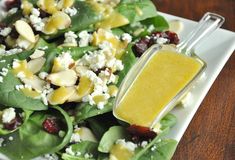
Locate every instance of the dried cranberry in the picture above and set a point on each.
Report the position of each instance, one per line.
(12, 4)
(14, 123)
(141, 46)
(139, 132)
(51, 125)
(173, 37)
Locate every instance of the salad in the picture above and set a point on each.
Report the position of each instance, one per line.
(61, 64)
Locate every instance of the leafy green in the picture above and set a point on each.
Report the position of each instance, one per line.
(110, 137)
(164, 150)
(84, 147)
(9, 96)
(168, 121)
(31, 140)
(85, 110)
(136, 10)
(159, 23)
(11, 19)
(128, 60)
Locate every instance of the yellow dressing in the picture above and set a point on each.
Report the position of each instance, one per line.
(165, 75)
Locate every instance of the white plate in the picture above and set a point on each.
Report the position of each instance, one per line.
(215, 51)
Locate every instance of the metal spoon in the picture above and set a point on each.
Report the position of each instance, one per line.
(207, 25)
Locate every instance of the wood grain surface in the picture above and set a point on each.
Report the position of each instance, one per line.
(211, 134)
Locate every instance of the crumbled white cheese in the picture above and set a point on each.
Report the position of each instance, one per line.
(51, 157)
(4, 71)
(36, 20)
(153, 148)
(21, 75)
(2, 61)
(157, 128)
(129, 145)
(115, 64)
(88, 156)
(43, 48)
(71, 11)
(126, 37)
(144, 144)
(161, 40)
(13, 51)
(85, 38)
(75, 138)
(70, 38)
(5, 31)
(1, 141)
(151, 28)
(65, 60)
(10, 138)
(8, 115)
(70, 151)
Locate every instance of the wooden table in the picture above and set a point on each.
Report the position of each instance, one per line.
(211, 134)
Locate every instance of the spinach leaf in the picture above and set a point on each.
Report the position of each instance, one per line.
(32, 141)
(164, 150)
(159, 23)
(85, 110)
(78, 52)
(84, 19)
(128, 60)
(9, 96)
(136, 10)
(84, 147)
(110, 137)
(168, 121)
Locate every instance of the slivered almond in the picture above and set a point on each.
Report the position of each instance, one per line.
(63, 78)
(74, 97)
(35, 65)
(25, 30)
(37, 54)
(35, 82)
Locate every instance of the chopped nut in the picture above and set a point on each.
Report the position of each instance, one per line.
(35, 65)
(25, 30)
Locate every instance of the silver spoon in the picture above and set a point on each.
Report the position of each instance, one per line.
(207, 25)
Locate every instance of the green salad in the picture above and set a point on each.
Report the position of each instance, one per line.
(61, 65)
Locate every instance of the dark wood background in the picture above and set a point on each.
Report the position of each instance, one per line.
(211, 134)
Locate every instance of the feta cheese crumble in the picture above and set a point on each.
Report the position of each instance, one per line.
(36, 20)
(1, 141)
(126, 37)
(70, 38)
(65, 60)
(5, 31)
(85, 38)
(8, 115)
(71, 11)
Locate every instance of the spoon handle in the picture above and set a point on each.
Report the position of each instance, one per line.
(208, 24)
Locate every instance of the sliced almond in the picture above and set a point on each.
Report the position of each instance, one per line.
(24, 43)
(30, 93)
(63, 78)
(86, 134)
(61, 20)
(24, 29)
(81, 70)
(49, 6)
(35, 65)
(74, 97)
(176, 26)
(35, 82)
(65, 4)
(85, 86)
(37, 54)
(60, 95)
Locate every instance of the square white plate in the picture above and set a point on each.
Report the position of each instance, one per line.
(215, 51)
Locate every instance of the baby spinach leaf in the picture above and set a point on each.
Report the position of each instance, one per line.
(164, 150)
(31, 140)
(85, 110)
(84, 147)
(110, 137)
(9, 96)
(159, 23)
(168, 121)
(84, 19)
(128, 60)
(136, 10)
